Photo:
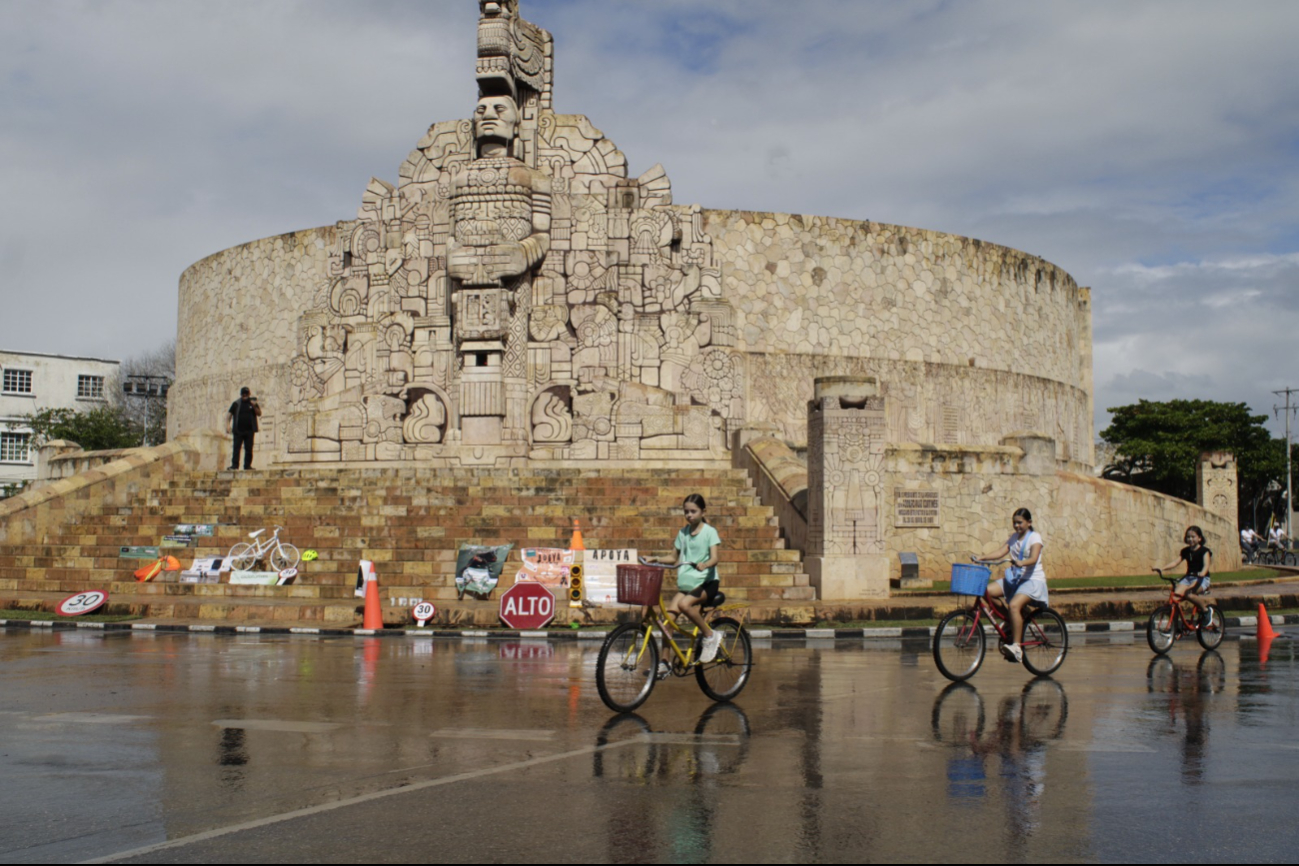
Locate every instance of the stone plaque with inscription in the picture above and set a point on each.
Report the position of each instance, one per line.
(915, 508)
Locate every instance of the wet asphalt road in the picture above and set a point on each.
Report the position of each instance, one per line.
(191, 748)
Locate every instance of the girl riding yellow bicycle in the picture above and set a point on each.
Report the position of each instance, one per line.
(697, 546)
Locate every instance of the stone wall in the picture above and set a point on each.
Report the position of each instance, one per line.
(1091, 526)
(29, 516)
(780, 478)
(967, 339)
(237, 325)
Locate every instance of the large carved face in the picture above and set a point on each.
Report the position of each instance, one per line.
(496, 119)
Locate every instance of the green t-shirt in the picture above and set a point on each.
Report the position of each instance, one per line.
(695, 548)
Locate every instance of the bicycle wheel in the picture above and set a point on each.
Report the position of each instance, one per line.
(1212, 633)
(242, 556)
(1161, 675)
(721, 740)
(285, 556)
(959, 645)
(1161, 630)
(1045, 708)
(633, 763)
(625, 669)
(957, 717)
(1046, 641)
(724, 677)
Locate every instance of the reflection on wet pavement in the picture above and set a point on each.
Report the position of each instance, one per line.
(309, 749)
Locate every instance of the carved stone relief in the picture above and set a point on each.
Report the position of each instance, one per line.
(517, 293)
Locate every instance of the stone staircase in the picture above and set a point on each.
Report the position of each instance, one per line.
(410, 522)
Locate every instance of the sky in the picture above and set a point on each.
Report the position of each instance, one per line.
(1151, 149)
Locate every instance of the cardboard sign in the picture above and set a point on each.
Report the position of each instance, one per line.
(254, 578)
(138, 553)
(602, 573)
(548, 566)
(176, 541)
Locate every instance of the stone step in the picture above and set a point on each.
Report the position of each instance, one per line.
(411, 522)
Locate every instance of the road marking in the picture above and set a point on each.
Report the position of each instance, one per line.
(277, 725)
(356, 801)
(92, 719)
(691, 739)
(467, 734)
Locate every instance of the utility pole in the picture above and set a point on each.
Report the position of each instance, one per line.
(1289, 412)
(147, 388)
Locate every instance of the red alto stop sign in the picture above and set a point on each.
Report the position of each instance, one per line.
(527, 606)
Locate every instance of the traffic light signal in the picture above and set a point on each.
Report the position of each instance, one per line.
(575, 587)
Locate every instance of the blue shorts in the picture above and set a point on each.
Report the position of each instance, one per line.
(1197, 584)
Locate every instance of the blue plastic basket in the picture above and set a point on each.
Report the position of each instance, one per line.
(970, 579)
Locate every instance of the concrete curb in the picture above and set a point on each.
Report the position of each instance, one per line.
(779, 634)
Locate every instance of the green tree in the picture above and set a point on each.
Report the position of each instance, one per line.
(1158, 445)
(99, 429)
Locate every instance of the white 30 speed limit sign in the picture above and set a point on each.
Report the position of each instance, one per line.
(82, 602)
(424, 612)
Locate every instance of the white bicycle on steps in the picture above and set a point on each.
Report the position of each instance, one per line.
(279, 555)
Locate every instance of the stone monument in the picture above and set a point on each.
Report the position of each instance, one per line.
(519, 298)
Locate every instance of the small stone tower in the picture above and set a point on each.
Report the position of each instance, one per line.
(846, 430)
(1215, 484)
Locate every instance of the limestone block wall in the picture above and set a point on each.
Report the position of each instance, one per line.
(780, 478)
(29, 516)
(1090, 525)
(237, 325)
(967, 339)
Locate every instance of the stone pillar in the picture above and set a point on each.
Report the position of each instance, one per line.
(1215, 485)
(846, 430)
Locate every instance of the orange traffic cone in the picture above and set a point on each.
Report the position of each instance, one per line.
(373, 618)
(575, 543)
(1265, 630)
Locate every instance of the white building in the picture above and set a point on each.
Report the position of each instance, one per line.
(30, 382)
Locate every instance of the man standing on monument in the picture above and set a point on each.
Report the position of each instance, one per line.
(242, 421)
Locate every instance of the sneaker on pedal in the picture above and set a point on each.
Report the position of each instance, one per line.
(1206, 618)
(1012, 652)
(664, 671)
(708, 649)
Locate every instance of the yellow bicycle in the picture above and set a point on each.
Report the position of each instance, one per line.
(628, 666)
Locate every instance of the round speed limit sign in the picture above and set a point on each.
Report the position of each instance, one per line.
(424, 612)
(82, 602)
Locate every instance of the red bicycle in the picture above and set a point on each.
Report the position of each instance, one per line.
(960, 641)
(1169, 624)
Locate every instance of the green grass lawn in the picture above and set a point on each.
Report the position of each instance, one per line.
(1145, 581)
(46, 615)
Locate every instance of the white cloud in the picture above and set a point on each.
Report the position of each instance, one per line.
(1146, 147)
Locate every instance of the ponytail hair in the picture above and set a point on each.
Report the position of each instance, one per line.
(696, 499)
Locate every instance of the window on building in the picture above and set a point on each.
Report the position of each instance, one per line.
(15, 447)
(90, 387)
(17, 381)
